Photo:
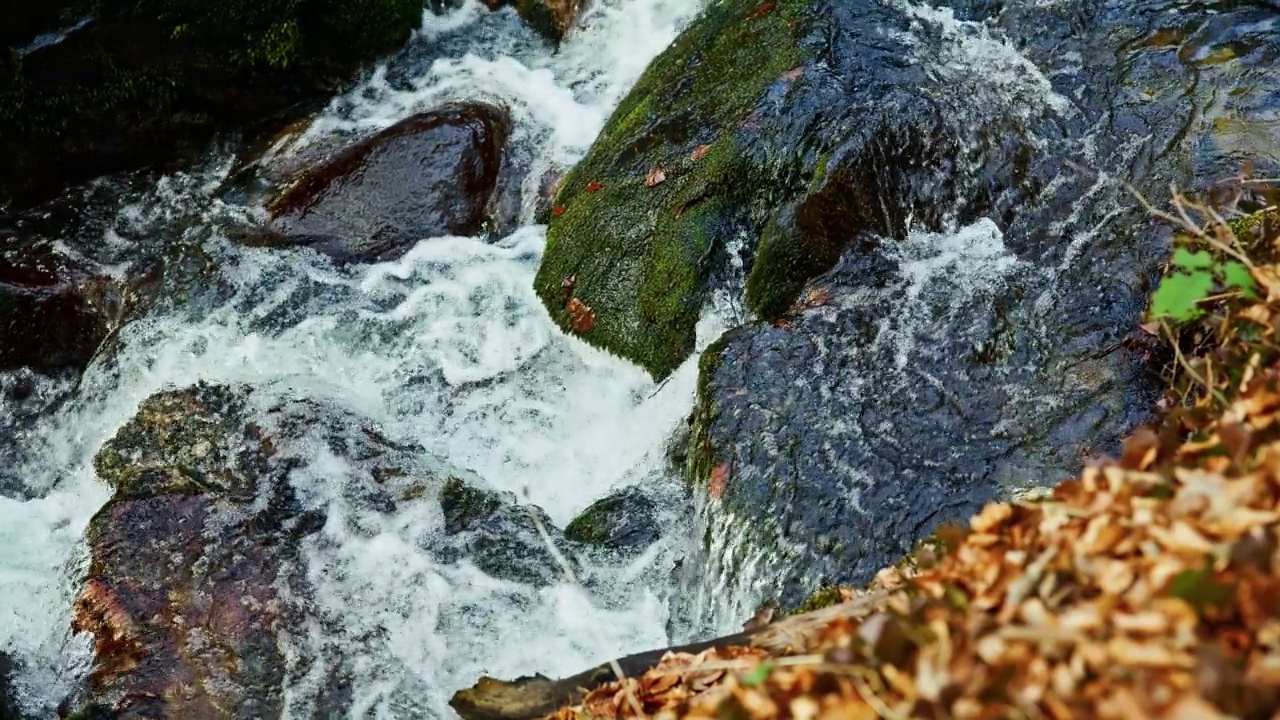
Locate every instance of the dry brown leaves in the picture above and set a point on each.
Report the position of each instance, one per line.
(1146, 589)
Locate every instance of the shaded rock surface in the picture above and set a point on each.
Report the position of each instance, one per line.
(9, 709)
(431, 174)
(626, 521)
(53, 312)
(954, 355)
(496, 533)
(94, 87)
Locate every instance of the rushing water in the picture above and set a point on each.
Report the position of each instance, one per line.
(448, 347)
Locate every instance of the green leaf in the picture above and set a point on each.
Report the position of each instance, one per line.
(759, 675)
(1236, 275)
(1184, 258)
(1178, 294)
(1200, 589)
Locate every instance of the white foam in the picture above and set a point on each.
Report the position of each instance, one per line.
(448, 346)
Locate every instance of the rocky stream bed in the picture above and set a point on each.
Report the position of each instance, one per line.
(336, 337)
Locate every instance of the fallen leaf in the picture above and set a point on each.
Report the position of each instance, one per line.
(594, 187)
(762, 9)
(581, 316)
(655, 177)
(700, 152)
(792, 74)
(557, 211)
(567, 285)
(719, 480)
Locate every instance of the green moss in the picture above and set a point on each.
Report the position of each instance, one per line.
(824, 597)
(641, 254)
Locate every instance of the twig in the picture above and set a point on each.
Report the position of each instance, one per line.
(1177, 353)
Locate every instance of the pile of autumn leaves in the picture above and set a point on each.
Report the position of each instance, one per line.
(1147, 588)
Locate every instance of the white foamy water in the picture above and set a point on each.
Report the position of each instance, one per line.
(447, 347)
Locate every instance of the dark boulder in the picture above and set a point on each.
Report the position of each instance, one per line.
(53, 313)
(498, 535)
(946, 361)
(9, 708)
(428, 175)
(88, 88)
(625, 521)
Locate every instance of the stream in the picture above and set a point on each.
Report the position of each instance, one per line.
(447, 347)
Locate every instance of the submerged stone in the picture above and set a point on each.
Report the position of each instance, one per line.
(624, 521)
(428, 175)
(497, 534)
(9, 707)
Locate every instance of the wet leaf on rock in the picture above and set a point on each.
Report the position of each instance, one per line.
(656, 177)
(581, 316)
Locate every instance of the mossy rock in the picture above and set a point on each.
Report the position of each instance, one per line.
(625, 521)
(465, 505)
(148, 83)
(640, 251)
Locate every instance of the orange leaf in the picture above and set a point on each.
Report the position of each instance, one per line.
(594, 187)
(793, 73)
(763, 9)
(655, 177)
(581, 316)
(719, 480)
(557, 211)
(700, 152)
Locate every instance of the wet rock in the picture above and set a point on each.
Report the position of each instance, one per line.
(195, 578)
(625, 521)
(801, 127)
(88, 88)
(53, 313)
(497, 534)
(932, 371)
(552, 18)
(9, 708)
(431, 174)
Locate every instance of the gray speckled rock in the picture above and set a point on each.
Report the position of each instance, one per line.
(917, 385)
(9, 708)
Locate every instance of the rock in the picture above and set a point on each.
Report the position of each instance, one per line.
(9, 708)
(53, 313)
(940, 365)
(115, 85)
(195, 578)
(552, 18)
(496, 533)
(428, 175)
(800, 127)
(196, 582)
(625, 521)
(846, 434)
